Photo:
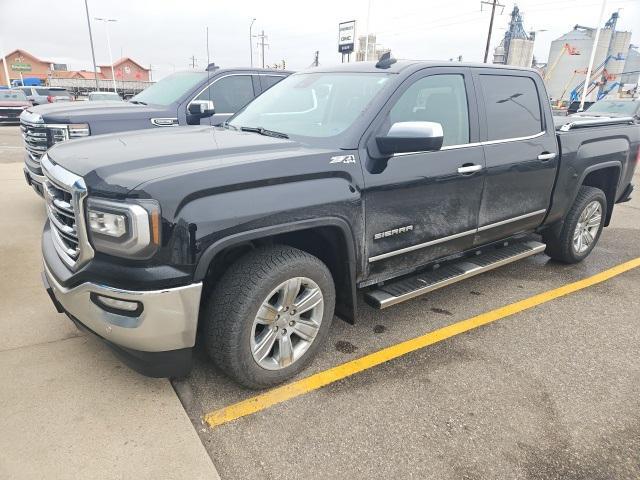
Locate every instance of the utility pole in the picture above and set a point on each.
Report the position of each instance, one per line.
(93, 54)
(251, 42)
(194, 62)
(316, 61)
(262, 44)
(208, 59)
(494, 4)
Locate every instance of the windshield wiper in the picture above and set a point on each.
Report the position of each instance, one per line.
(137, 102)
(265, 132)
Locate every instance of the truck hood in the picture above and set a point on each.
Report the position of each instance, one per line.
(85, 112)
(115, 164)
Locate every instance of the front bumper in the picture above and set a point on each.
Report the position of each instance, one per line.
(166, 323)
(33, 174)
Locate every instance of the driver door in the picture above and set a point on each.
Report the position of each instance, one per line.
(423, 206)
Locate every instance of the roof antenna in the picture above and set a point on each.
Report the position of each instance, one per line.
(386, 60)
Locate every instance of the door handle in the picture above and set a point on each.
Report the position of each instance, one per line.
(546, 156)
(466, 169)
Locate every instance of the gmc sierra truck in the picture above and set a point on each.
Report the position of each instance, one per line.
(192, 97)
(387, 180)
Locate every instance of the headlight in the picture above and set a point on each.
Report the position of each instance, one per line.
(124, 229)
(60, 133)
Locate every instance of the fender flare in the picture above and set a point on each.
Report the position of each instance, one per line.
(601, 166)
(349, 312)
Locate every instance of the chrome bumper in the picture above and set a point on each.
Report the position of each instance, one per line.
(168, 319)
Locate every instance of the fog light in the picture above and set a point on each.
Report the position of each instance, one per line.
(125, 307)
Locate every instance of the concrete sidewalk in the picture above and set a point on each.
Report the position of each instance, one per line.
(69, 408)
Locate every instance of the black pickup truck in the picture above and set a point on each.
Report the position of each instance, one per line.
(191, 97)
(386, 180)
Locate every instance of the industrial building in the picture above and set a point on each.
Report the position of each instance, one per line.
(568, 61)
(373, 50)
(516, 48)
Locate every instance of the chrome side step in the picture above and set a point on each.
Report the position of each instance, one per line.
(410, 287)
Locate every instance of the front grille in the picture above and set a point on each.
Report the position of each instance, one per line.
(65, 193)
(63, 220)
(10, 112)
(35, 139)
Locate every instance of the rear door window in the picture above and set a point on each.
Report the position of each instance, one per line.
(512, 105)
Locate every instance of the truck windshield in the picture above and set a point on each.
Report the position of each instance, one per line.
(12, 95)
(317, 105)
(612, 107)
(169, 89)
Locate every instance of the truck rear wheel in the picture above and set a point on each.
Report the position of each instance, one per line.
(582, 227)
(268, 315)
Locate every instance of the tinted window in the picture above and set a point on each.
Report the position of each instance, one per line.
(229, 94)
(268, 81)
(437, 98)
(513, 106)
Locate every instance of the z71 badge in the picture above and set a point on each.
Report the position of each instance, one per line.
(392, 232)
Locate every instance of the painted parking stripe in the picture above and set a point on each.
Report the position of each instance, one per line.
(326, 377)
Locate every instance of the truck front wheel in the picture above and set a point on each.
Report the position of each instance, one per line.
(582, 227)
(268, 315)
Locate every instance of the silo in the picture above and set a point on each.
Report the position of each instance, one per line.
(520, 52)
(565, 70)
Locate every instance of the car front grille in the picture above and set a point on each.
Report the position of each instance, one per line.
(35, 139)
(10, 112)
(65, 193)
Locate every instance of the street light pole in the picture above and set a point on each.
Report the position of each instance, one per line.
(106, 28)
(251, 42)
(93, 53)
(592, 57)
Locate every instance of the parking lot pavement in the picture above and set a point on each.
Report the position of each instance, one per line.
(11, 149)
(551, 392)
(69, 408)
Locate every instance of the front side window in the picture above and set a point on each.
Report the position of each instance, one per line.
(436, 98)
(170, 89)
(513, 106)
(314, 105)
(268, 81)
(229, 94)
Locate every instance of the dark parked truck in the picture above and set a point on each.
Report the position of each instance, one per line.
(390, 179)
(183, 98)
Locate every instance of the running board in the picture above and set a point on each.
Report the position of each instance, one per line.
(415, 285)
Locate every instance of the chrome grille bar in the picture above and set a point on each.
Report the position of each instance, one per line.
(65, 194)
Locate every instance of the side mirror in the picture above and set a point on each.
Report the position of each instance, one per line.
(406, 137)
(201, 108)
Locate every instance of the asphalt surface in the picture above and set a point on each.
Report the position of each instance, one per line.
(550, 393)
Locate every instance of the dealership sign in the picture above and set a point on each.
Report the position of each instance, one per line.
(21, 67)
(346, 36)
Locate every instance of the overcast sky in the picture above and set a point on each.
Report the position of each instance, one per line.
(166, 33)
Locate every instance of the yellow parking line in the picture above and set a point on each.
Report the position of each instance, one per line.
(319, 380)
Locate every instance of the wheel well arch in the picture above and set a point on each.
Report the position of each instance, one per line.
(329, 239)
(605, 178)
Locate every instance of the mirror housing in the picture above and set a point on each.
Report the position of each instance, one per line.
(407, 137)
(201, 108)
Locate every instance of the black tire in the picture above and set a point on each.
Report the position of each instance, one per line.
(560, 246)
(233, 305)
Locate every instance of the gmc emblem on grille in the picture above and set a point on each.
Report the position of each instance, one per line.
(392, 232)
